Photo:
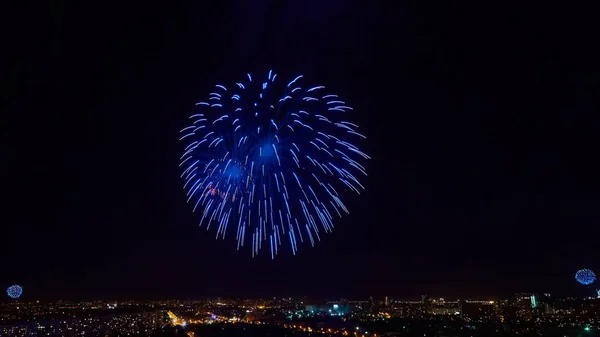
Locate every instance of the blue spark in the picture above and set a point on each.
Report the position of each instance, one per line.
(244, 170)
(585, 276)
(14, 291)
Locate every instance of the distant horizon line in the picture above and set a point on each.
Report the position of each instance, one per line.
(270, 298)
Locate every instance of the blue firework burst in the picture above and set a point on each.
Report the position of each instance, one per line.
(269, 162)
(14, 291)
(585, 276)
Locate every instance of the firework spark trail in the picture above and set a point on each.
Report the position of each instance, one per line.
(263, 161)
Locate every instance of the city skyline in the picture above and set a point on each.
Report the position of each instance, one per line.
(526, 314)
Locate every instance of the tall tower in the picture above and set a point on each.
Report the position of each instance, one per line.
(534, 301)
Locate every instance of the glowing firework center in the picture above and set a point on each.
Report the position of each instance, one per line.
(270, 164)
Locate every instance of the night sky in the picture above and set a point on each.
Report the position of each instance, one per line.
(482, 124)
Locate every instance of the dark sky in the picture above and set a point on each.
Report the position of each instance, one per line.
(482, 122)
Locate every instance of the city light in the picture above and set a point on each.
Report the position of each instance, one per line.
(525, 313)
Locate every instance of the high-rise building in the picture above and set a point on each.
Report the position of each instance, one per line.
(534, 301)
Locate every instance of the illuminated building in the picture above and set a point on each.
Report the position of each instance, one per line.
(534, 301)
